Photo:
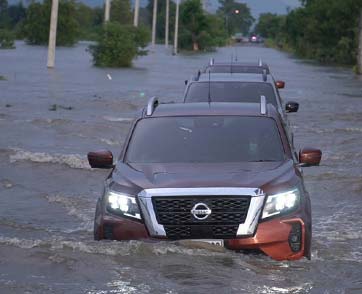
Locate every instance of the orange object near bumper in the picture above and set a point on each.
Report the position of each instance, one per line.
(272, 237)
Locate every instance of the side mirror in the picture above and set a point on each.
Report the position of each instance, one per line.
(186, 82)
(291, 106)
(100, 159)
(310, 156)
(280, 84)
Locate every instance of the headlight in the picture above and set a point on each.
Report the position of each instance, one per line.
(281, 203)
(122, 204)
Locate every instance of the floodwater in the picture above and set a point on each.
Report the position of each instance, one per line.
(50, 119)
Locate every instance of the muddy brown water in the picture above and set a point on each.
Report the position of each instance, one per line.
(48, 193)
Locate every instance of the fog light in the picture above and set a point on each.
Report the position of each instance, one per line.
(295, 237)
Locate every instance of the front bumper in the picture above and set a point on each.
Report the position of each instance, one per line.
(281, 239)
(274, 237)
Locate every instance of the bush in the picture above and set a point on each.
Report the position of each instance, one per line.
(118, 45)
(6, 39)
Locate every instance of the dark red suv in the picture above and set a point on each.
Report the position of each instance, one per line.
(221, 172)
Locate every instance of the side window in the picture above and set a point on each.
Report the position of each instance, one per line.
(290, 138)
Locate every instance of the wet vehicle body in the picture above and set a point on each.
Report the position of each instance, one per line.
(236, 87)
(194, 179)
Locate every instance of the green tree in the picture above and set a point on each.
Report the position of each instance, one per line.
(84, 15)
(121, 12)
(6, 39)
(269, 25)
(236, 15)
(119, 44)
(194, 25)
(199, 30)
(216, 30)
(329, 31)
(326, 30)
(36, 27)
(17, 14)
(98, 16)
(89, 21)
(4, 17)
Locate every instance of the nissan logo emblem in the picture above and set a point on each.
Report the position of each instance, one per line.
(200, 211)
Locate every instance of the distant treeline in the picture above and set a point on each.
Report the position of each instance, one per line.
(325, 30)
(77, 21)
(118, 42)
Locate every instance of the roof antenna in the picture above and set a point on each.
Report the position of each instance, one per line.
(265, 76)
(231, 65)
(209, 94)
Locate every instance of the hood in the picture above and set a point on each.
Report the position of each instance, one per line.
(268, 176)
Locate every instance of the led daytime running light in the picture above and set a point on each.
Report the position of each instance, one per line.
(281, 202)
(123, 203)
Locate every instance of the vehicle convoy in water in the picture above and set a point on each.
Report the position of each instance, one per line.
(220, 172)
(237, 82)
(239, 67)
(236, 87)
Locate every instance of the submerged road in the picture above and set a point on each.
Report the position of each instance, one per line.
(49, 120)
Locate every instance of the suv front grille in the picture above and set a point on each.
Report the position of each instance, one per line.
(201, 232)
(227, 212)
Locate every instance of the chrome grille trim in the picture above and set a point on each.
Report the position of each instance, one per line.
(157, 230)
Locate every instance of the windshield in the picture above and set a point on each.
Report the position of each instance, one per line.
(236, 69)
(205, 139)
(230, 92)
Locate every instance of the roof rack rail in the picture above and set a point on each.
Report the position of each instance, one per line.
(265, 75)
(151, 105)
(212, 61)
(262, 104)
(260, 62)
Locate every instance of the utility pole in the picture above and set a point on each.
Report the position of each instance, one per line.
(167, 22)
(107, 10)
(53, 34)
(154, 21)
(359, 56)
(176, 27)
(136, 12)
